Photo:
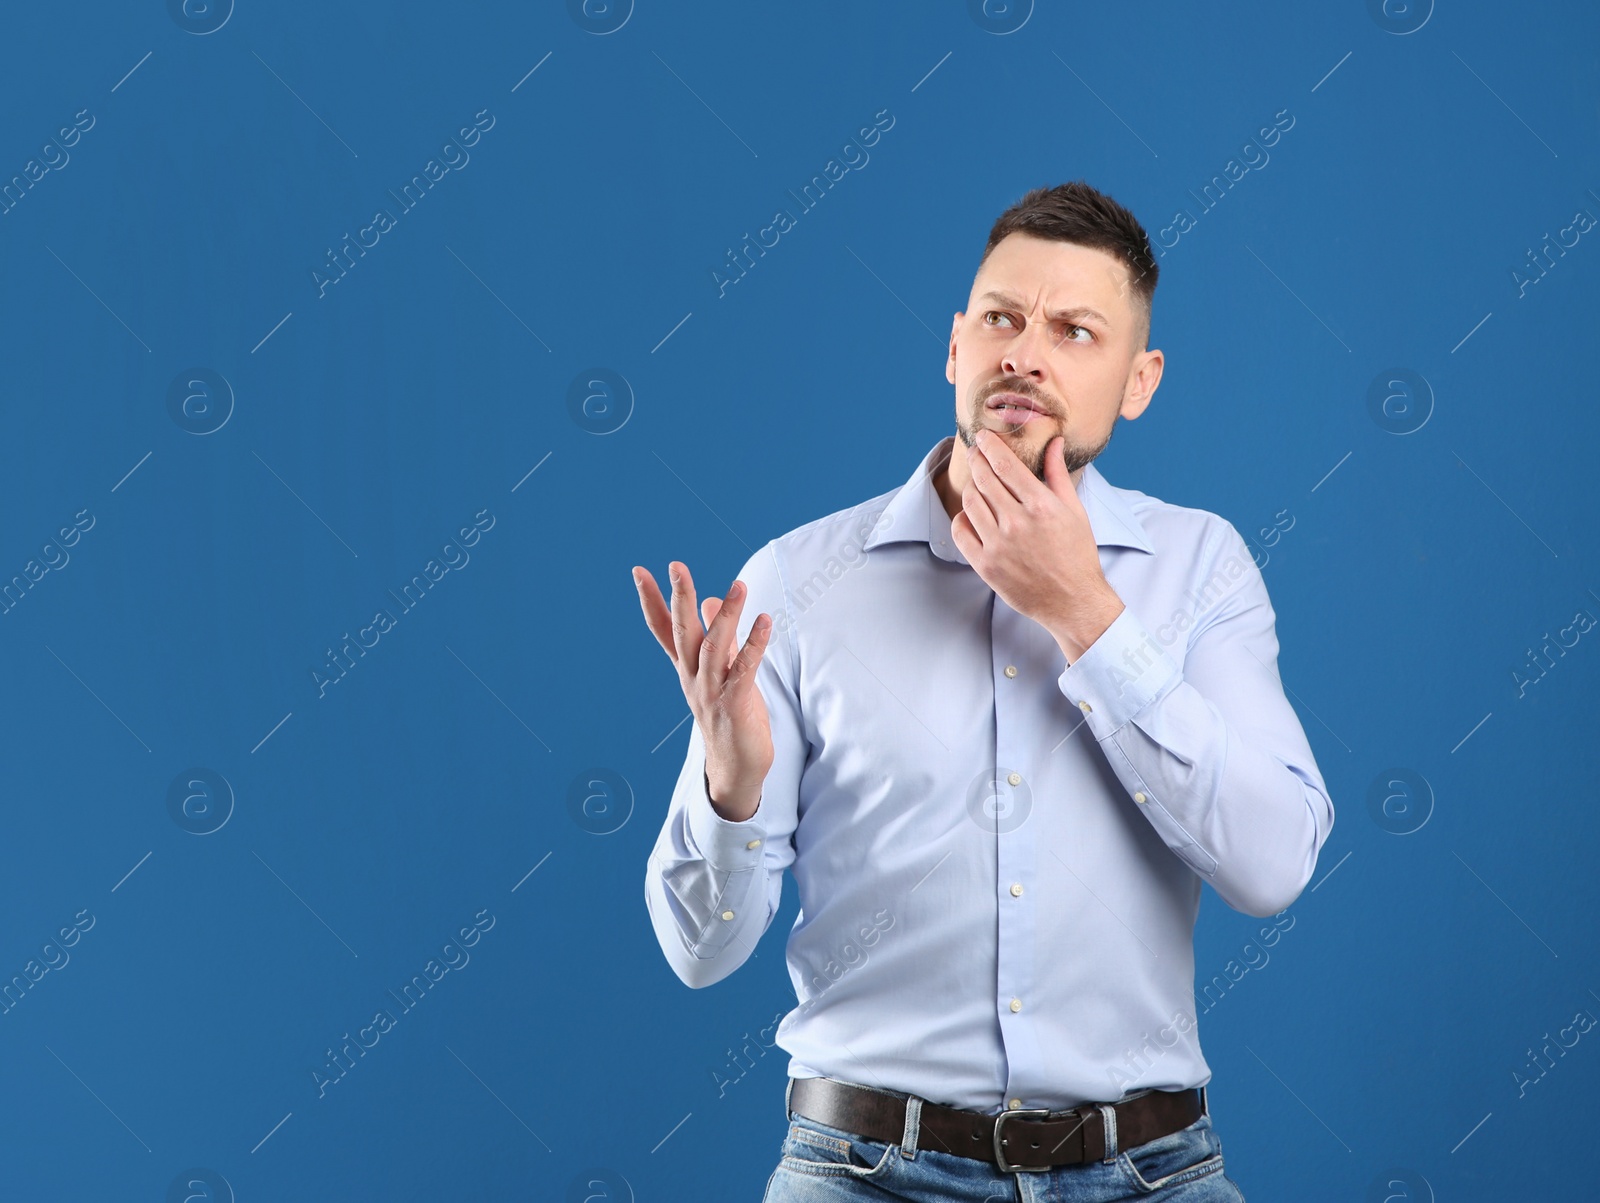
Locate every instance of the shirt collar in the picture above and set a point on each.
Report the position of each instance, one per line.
(915, 512)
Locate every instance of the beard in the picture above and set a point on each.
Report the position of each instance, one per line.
(1073, 454)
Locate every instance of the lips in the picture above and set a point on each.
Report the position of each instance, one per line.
(1014, 407)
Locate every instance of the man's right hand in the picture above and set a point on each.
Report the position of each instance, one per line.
(719, 685)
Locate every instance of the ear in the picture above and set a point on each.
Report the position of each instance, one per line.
(1142, 384)
(950, 362)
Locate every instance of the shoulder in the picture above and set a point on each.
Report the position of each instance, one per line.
(1202, 551)
(1180, 531)
(839, 537)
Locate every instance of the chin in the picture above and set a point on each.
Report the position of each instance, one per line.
(1042, 426)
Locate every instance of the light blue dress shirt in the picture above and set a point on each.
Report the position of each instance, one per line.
(999, 855)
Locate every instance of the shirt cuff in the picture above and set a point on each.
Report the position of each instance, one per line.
(1118, 675)
(725, 845)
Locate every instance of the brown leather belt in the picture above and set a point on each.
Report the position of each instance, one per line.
(1037, 1138)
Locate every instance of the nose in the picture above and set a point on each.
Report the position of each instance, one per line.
(1027, 353)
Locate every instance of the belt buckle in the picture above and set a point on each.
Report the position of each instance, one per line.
(999, 1142)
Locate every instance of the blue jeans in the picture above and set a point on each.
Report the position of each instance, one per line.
(820, 1164)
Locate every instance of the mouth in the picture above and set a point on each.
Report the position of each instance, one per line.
(1014, 409)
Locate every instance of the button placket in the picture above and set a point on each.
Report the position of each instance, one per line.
(1015, 646)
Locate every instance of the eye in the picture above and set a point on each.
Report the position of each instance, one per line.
(994, 313)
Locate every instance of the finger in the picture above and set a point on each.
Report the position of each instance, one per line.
(687, 633)
(962, 535)
(983, 479)
(1063, 488)
(723, 632)
(656, 615)
(981, 518)
(742, 672)
(995, 468)
(710, 607)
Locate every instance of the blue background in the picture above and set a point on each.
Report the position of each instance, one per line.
(1418, 541)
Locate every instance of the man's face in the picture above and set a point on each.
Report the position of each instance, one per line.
(1051, 325)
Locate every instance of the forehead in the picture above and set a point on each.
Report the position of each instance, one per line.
(1056, 274)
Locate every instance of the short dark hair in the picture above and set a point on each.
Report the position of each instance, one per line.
(1076, 212)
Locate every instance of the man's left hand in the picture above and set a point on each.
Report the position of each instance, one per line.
(1032, 544)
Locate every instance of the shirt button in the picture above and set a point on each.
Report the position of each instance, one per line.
(1014, 1104)
(1139, 797)
(753, 844)
(1015, 778)
(1085, 707)
(1016, 889)
(727, 914)
(1016, 1004)
(1011, 670)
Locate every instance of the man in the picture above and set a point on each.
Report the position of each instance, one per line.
(1001, 722)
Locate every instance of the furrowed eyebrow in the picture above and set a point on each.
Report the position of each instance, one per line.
(1068, 315)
